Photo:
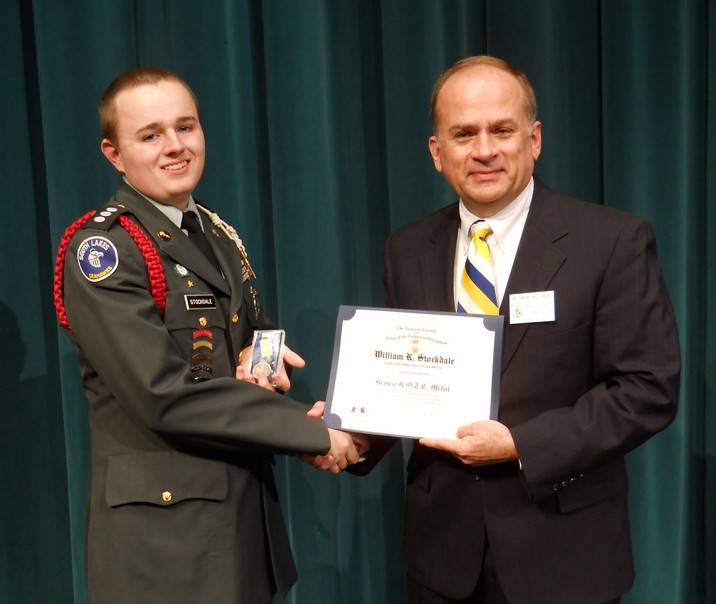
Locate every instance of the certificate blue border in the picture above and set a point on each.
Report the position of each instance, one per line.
(491, 322)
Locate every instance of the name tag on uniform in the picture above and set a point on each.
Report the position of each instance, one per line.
(199, 301)
(532, 307)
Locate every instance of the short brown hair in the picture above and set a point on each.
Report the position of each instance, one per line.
(467, 63)
(132, 79)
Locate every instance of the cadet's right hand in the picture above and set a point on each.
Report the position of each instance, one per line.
(342, 454)
(360, 444)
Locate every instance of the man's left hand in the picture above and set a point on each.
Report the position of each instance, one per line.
(478, 444)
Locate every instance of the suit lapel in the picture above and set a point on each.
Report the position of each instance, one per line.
(177, 246)
(537, 261)
(439, 259)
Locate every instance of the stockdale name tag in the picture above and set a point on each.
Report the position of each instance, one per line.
(199, 301)
(532, 307)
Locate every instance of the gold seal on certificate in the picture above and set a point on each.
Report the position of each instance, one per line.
(413, 374)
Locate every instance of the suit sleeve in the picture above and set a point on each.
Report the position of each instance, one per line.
(130, 359)
(634, 372)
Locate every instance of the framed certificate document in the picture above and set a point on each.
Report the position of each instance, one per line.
(413, 374)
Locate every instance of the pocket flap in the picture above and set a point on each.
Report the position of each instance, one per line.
(164, 479)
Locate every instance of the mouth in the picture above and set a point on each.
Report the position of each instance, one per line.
(175, 167)
(485, 175)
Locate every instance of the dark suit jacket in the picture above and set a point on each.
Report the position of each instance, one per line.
(183, 507)
(577, 394)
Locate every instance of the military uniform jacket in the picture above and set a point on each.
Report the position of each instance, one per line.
(183, 507)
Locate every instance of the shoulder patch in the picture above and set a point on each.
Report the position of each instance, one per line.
(106, 217)
(97, 258)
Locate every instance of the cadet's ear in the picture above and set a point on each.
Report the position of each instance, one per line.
(112, 153)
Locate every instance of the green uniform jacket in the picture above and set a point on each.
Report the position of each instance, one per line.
(183, 506)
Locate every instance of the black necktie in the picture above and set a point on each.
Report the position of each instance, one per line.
(190, 222)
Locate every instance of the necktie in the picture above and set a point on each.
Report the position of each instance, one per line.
(477, 292)
(190, 222)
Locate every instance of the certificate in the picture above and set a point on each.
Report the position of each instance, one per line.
(413, 374)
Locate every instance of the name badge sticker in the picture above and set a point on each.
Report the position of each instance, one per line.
(532, 307)
(199, 301)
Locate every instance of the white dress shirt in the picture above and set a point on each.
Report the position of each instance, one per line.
(507, 226)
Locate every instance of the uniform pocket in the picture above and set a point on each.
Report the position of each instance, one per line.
(164, 479)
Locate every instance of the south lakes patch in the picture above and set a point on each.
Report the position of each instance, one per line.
(97, 258)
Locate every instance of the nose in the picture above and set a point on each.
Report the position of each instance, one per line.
(173, 143)
(483, 148)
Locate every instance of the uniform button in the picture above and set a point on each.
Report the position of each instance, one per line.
(167, 496)
(235, 319)
(203, 322)
(565, 483)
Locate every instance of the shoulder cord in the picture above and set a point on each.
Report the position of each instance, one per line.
(157, 279)
(231, 233)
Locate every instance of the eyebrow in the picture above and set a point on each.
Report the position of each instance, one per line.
(492, 124)
(157, 125)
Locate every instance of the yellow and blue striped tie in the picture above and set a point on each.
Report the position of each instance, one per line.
(477, 292)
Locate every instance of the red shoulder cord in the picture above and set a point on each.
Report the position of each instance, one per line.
(157, 279)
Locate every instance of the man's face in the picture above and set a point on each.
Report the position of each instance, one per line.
(484, 146)
(160, 143)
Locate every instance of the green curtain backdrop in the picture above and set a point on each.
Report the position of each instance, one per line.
(315, 114)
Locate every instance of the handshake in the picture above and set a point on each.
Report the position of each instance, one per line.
(346, 448)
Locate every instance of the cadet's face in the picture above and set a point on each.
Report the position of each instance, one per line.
(160, 143)
(484, 146)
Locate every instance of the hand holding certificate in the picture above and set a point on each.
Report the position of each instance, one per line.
(413, 374)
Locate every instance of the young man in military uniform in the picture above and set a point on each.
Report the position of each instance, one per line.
(183, 506)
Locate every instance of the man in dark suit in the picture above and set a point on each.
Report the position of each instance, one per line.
(532, 508)
(183, 506)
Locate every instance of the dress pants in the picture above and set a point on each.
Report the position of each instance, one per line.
(487, 591)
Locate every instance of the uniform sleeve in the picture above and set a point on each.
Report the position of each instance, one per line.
(129, 358)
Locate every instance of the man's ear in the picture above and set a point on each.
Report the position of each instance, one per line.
(434, 146)
(536, 140)
(111, 152)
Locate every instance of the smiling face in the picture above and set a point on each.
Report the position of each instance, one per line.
(484, 144)
(159, 141)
